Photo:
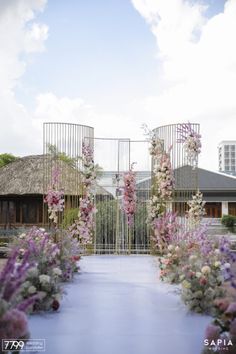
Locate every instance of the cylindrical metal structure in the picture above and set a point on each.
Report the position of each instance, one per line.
(186, 175)
(62, 149)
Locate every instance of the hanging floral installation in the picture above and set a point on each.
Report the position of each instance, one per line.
(191, 141)
(162, 191)
(196, 209)
(164, 177)
(83, 227)
(129, 194)
(55, 198)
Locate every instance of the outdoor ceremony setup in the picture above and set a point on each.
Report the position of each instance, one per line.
(122, 261)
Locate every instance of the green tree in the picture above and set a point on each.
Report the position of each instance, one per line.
(6, 159)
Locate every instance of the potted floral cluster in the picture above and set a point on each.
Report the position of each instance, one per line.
(13, 309)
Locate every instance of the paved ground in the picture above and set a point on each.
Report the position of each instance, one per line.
(118, 306)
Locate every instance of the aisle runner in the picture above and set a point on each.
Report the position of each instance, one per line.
(117, 305)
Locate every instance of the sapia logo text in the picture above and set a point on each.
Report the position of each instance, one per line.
(218, 342)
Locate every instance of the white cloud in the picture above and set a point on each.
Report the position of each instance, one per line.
(198, 57)
(19, 35)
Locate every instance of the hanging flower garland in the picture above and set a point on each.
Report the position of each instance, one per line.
(55, 198)
(83, 227)
(196, 209)
(192, 142)
(129, 194)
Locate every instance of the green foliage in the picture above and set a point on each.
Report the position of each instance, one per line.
(52, 149)
(6, 159)
(70, 215)
(228, 220)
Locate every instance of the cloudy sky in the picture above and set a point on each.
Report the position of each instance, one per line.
(115, 64)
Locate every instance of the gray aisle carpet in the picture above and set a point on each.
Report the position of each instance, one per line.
(117, 305)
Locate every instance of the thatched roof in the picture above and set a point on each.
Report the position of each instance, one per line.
(26, 175)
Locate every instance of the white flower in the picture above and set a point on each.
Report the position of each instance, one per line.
(32, 289)
(206, 270)
(57, 271)
(217, 251)
(169, 255)
(227, 265)
(170, 247)
(57, 297)
(42, 294)
(22, 236)
(33, 272)
(44, 278)
(193, 257)
(198, 274)
(217, 264)
(177, 248)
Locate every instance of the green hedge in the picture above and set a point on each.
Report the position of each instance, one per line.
(228, 220)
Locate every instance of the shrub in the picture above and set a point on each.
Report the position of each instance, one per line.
(228, 220)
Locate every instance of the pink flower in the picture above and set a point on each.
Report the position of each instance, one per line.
(212, 332)
(231, 309)
(14, 325)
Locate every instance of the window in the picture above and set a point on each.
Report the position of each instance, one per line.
(226, 147)
(226, 155)
(226, 168)
(232, 147)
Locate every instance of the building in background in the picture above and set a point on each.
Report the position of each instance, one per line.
(226, 156)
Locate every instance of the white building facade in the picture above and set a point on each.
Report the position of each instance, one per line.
(227, 156)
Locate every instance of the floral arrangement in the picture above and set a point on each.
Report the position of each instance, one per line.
(164, 227)
(54, 198)
(129, 194)
(83, 227)
(170, 263)
(69, 255)
(156, 145)
(196, 209)
(191, 141)
(44, 278)
(164, 177)
(220, 335)
(155, 208)
(206, 271)
(13, 320)
(201, 284)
